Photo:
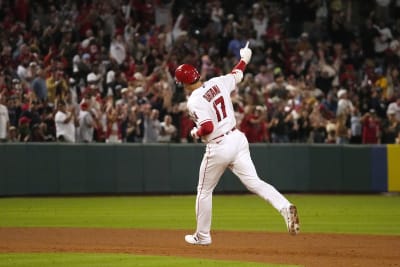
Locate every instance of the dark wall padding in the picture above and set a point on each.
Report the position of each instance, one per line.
(51, 169)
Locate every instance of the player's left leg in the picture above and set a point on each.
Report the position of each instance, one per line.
(244, 168)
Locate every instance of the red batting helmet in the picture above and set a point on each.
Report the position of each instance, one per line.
(187, 74)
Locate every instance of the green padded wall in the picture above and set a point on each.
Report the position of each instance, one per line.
(3, 170)
(357, 168)
(100, 168)
(326, 168)
(43, 161)
(156, 168)
(286, 167)
(55, 168)
(184, 162)
(72, 168)
(129, 171)
(16, 168)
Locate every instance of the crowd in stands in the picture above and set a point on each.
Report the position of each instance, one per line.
(322, 71)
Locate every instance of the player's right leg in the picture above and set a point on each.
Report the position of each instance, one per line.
(211, 169)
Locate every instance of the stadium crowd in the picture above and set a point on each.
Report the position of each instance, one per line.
(322, 71)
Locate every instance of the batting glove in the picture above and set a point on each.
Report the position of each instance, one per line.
(193, 133)
(245, 53)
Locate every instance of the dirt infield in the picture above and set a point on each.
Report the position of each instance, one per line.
(304, 249)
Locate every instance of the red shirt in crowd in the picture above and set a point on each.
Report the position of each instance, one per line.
(254, 131)
(370, 130)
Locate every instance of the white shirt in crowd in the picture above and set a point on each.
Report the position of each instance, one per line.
(381, 42)
(65, 129)
(4, 119)
(167, 132)
(394, 108)
(117, 51)
(85, 126)
(344, 106)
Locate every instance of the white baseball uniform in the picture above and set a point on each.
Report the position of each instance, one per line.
(226, 147)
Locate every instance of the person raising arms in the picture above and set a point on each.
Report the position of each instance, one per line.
(210, 106)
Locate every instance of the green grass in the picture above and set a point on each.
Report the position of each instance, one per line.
(369, 214)
(113, 260)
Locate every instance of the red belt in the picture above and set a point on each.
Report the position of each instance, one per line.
(228, 132)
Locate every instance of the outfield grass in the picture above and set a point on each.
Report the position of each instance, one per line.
(368, 214)
(114, 260)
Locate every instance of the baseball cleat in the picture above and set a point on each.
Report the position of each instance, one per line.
(195, 240)
(292, 219)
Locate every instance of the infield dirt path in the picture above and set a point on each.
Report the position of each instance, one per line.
(311, 250)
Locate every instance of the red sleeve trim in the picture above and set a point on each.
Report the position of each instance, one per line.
(205, 128)
(241, 66)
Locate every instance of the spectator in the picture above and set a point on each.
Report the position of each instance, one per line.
(22, 69)
(152, 126)
(371, 128)
(24, 129)
(74, 91)
(32, 111)
(391, 129)
(344, 106)
(56, 86)
(65, 121)
(342, 131)
(330, 105)
(381, 82)
(82, 66)
(264, 76)
(141, 99)
(318, 124)
(217, 15)
(299, 123)
(124, 99)
(279, 88)
(279, 125)
(13, 134)
(113, 122)
(259, 20)
(394, 108)
(39, 85)
(168, 131)
(254, 124)
(4, 119)
(393, 82)
(348, 77)
(118, 49)
(331, 131)
(235, 44)
(132, 129)
(86, 124)
(36, 135)
(48, 124)
(92, 92)
(355, 127)
(377, 102)
(163, 12)
(382, 39)
(324, 78)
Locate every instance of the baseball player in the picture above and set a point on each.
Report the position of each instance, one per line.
(211, 108)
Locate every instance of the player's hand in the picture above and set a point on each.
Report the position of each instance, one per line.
(245, 53)
(193, 133)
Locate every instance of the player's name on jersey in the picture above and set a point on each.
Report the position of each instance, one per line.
(211, 93)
